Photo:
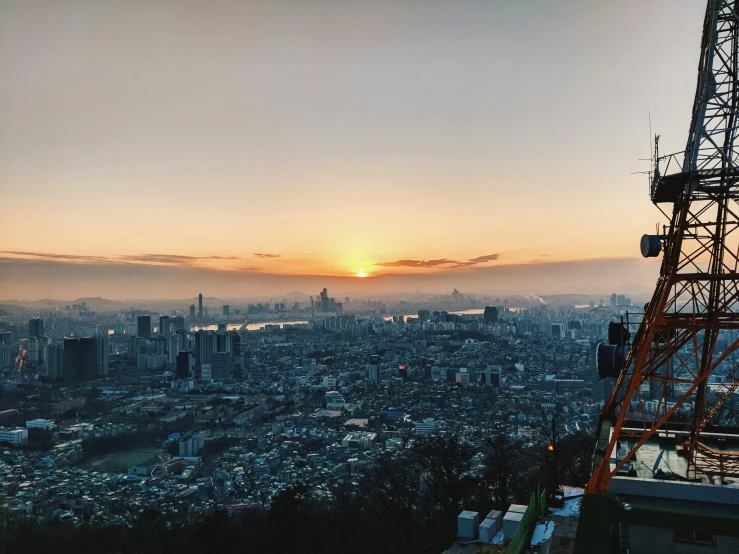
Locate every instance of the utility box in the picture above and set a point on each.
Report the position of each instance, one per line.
(487, 530)
(511, 521)
(467, 524)
(497, 517)
(520, 508)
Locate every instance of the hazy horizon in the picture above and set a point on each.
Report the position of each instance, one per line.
(142, 281)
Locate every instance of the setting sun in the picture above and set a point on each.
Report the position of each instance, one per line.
(361, 273)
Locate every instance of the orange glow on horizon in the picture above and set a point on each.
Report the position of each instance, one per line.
(362, 274)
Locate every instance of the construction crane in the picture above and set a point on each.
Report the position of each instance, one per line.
(696, 301)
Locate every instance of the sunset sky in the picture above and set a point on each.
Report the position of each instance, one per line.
(143, 143)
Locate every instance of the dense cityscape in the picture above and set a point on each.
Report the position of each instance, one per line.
(110, 412)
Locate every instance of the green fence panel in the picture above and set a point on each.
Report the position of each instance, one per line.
(537, 508)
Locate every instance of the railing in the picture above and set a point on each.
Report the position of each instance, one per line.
(537, 508)
(662, 167)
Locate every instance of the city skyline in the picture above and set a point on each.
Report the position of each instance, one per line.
(336, 141)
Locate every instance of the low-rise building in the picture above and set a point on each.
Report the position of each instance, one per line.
(360, 439)
(191, 444)
(334, 400)
(15, 436)
(425, 427)
(47, 424)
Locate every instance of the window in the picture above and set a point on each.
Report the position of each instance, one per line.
(695, 537)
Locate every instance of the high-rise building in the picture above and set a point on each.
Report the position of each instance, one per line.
(35, 327)
(233, 344)
(5, 357)
(490, 315)
(226, 309)
(205, 345)
(32, 350)
(324, 300)
(491, 375)
(173, 348)
(54, 361)
(200, 306)
(222, 366)
(6, 337)
(144, 327)
(160, 345)
(80, 359)
(192, 311)
(179, 322)
(165, 328)
(205, 373)
(184, 341)
(43, 342)
(184, 365)
(136, 346)
(101, 355)
(374, 374)
(71, 359)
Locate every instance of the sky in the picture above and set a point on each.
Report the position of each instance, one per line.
(254, 147)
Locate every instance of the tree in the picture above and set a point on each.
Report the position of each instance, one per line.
(575, 458)
(498, 469)
(392, 488)
(445, 461)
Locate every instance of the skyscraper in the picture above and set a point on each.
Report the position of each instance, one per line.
(80, 359)
(184, 342)
(200, 306)
(88, 358)
(33, 350)
(144, 327)
(374, 374)
(204, 347)
(233, 344)
(184, 365)
(192, 311)
(54, 361)
(179, 322)
(164, 327)
(101, 355)
(490, 315)
(173, 348)
(222, 366)
(35, 327)
(226, 309)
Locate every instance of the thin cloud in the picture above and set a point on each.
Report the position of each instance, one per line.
(442, 262)
(417, 263)
(262, 255)
(173, 259)
(47, 256)
(146, 259)
(484, 259)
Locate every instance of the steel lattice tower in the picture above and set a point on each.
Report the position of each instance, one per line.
(686, 334)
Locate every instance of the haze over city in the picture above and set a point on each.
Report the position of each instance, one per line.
(265, 147)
